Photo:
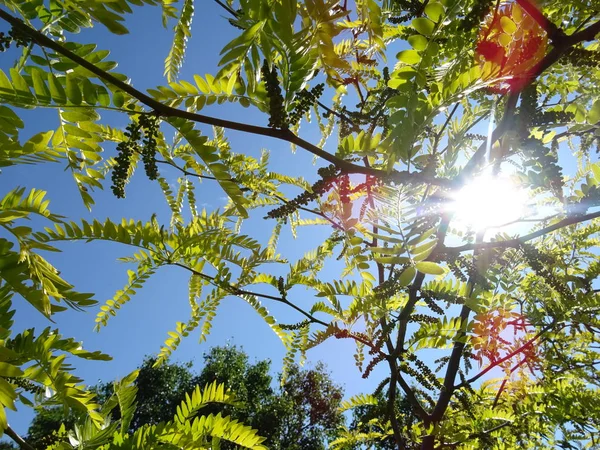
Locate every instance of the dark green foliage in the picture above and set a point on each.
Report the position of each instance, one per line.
(46, 423)
(476, 14)
(301, 414)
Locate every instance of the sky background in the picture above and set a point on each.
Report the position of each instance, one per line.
(141, 326)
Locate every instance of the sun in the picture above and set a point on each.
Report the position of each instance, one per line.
(488, 202)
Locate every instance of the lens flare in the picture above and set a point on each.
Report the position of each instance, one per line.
(488, 202)
(511, 44)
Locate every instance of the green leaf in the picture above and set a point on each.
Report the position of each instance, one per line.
(56, 90)
(89, 92)
(8, 370)
(594, 113)
(407, 276)
(434, 11)
(596, 172)
(118, 99)
(430, 268)
(409, 57)
(73, 90)
(423, 26)
(418, 42)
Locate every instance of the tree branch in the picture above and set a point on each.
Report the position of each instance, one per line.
(227, 8)
(18, 439)
(457, 350)
(561, 43)
(168, 111)
(528, 237)
(239, 292)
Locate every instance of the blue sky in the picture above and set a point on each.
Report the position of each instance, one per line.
(141, 326)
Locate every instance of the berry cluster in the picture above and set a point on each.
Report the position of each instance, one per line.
(281, 288)
(14, 35)
(475, 136)
(540, 263)
(422, 318)
(277, 114)
(424, 368)
(26, 385)
(412, 8)
(344, 189)
(417, 375)
(303, 101)
(432, 305)
(448, 297)
(389, 287)
(5, 41)
(551, 117)
(149, 125)
(295, 326)
(529, 104)
(328, 175)
(126, 150)
(531, 115)
(546, 161)
(376, 360)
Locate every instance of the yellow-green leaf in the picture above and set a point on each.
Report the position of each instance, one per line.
(423, 26)
(430, 268)
(409, 56)
(508, 26)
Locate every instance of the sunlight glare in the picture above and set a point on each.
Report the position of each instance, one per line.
(488, 202)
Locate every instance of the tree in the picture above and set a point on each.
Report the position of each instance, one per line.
(416, 196)
(303, 413)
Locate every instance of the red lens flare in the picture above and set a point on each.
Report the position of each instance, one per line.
(511, 44)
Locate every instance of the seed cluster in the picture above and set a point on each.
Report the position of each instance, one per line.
(26, 385)
(412, 8)
(277, 114)
(148, 124)
(328, 175)
(295, 326)
(14, 35)
(540, 263)
(303, 101)
(546, 161)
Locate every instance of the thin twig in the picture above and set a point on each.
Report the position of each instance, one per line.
(227, 8)
(239, 292)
